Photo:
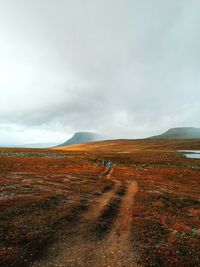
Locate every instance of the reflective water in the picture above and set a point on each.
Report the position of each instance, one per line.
(192, 154)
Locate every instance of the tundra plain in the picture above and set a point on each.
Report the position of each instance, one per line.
(61, 207)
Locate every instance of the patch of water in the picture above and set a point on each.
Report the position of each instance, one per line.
(190, 151)
(192, 154)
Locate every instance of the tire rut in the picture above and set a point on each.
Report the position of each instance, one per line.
(60, 252)
(109, 247)
(108, 215)
(95, 210)
(116, 250)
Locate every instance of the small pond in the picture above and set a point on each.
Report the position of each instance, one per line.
(192, 154)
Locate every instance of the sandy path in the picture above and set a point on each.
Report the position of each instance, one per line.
(116, 250)
(81, 248)
(70, 246)
(94, 211)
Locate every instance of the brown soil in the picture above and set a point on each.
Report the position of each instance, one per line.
(85, 245)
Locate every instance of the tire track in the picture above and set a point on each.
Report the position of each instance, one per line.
(71, 245)
(116, 250)
(94, 211)
(108, 215)
(111, 247)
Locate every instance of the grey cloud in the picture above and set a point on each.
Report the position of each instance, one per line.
(123, 68)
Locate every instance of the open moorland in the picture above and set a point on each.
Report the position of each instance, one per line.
(61, 207)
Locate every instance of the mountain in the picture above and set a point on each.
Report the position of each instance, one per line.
(179, 133)
(84, 137)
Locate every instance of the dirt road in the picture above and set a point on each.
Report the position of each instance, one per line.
(101, 237)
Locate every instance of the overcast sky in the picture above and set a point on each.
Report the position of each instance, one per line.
(124, 68)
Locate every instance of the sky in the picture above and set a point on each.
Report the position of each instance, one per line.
(122, 68)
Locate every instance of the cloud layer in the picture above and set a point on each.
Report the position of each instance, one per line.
(121, 68)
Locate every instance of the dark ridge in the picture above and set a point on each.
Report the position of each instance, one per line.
(121, 191)
(104, 223)
(108, 187)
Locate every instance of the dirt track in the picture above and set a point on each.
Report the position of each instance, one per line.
(101, 236)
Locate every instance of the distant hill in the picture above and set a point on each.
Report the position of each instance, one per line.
(179, 133)
(84, 137)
